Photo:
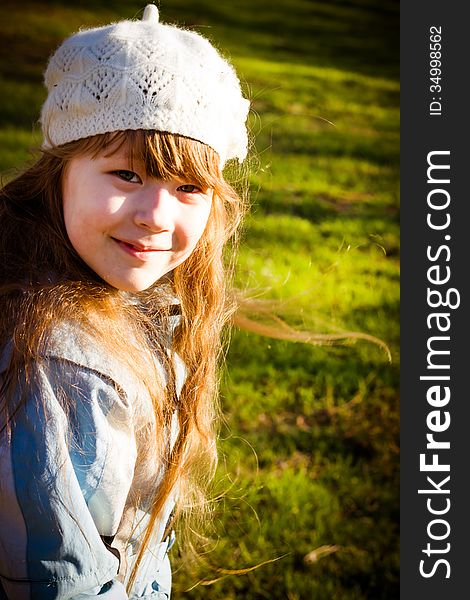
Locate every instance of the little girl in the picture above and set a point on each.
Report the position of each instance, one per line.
(112, 300)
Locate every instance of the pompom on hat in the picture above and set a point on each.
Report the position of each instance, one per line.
(144, 75)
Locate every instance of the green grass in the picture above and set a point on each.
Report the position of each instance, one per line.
(309, 445)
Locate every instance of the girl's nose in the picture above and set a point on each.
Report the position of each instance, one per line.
(156, 208)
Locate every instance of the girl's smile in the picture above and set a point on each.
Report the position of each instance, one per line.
(131, 229)
(139, 251)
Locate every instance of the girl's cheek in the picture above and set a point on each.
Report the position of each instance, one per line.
(196, 224)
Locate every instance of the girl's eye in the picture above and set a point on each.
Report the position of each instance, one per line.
(128, 176)
(189, 188)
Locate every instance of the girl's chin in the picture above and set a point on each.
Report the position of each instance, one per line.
(133, 284)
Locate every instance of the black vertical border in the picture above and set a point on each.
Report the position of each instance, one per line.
(422, 133)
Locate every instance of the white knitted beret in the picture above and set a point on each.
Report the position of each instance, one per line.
(144, 75)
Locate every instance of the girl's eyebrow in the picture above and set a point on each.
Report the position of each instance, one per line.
(123, 158)
(117, 154)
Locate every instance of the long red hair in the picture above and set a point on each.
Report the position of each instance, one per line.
(43, 281)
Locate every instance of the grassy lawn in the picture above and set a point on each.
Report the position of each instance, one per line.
(309, 446)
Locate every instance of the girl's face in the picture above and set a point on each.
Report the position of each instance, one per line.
(131, 229)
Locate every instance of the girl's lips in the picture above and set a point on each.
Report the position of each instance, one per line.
(142, 252)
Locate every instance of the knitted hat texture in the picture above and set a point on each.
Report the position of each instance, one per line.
(144, 75)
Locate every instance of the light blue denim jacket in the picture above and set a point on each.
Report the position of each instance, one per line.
(66, 481)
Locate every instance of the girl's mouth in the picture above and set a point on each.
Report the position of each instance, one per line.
(138, 251)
